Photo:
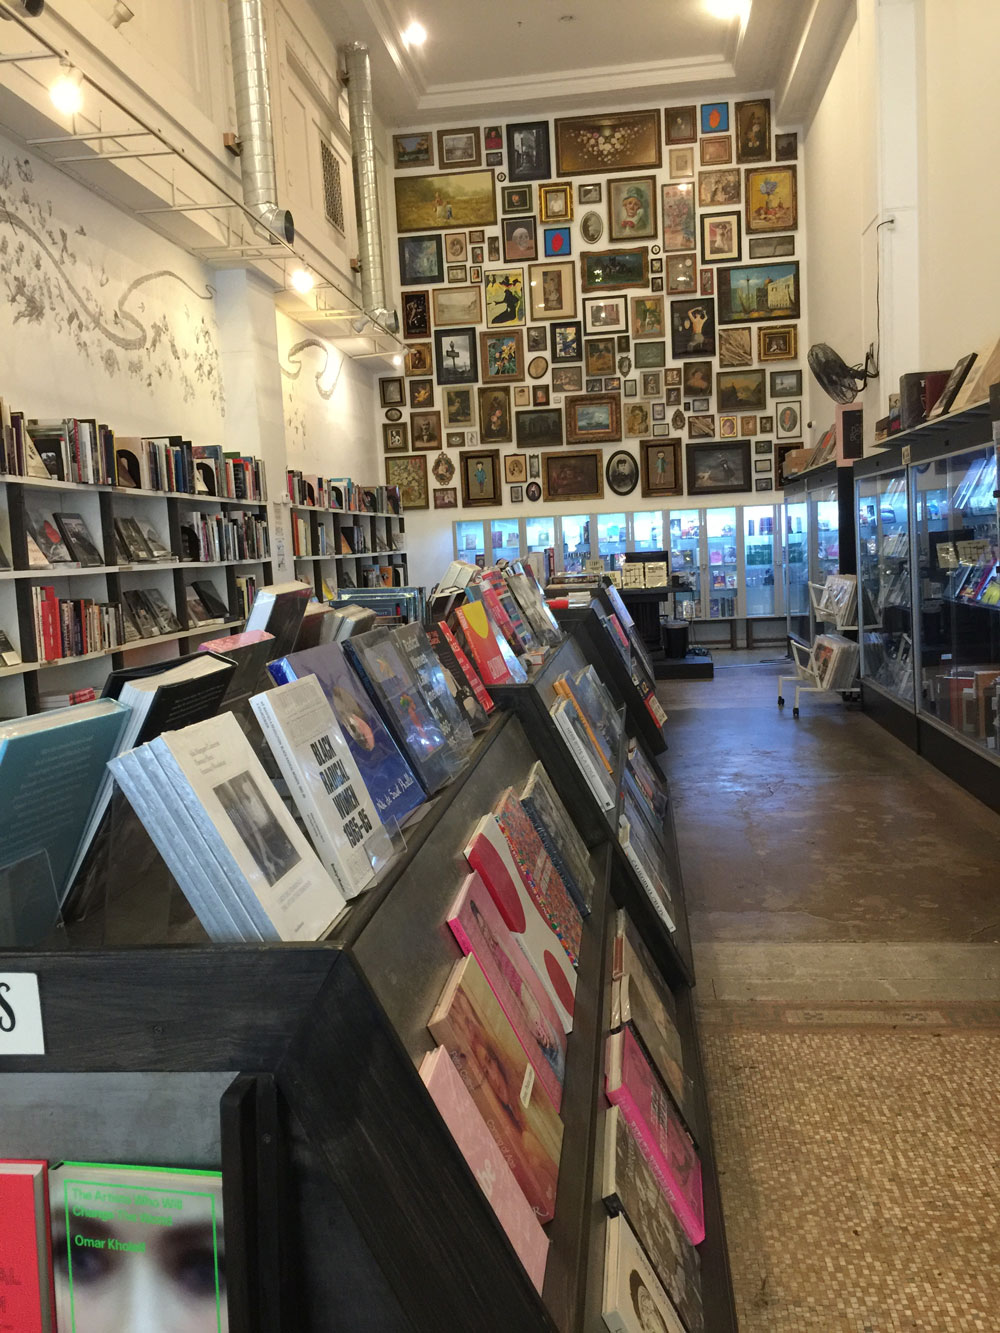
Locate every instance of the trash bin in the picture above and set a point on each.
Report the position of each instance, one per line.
(674, 637)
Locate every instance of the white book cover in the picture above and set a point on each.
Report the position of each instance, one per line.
(247, 827)
(326, 784)
(634, 1299)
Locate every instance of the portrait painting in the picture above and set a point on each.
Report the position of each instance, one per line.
(680, 124)
(608, 141)
(788, 417)
(638, 419)
(692, 328)
(479, 470)
(678, 216)
(455, 199)
(425, 430)
(697, 379)
(576, 475)
(517, 198)
(515, 468)
(715, 469)
(553, 290)
(418, 360)
(632, 208)
(621, 472)
(528, 154)
(456, 248)
(409, 473)
(660, 467)
(555, 203)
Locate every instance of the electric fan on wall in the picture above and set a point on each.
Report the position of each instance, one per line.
(842, 382)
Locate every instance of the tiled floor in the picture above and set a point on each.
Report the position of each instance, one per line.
(845, 907)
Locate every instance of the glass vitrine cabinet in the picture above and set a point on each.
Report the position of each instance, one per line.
(470, 541)
(612, 539)
(819, 540)
(761, 561)
(575, 530)
(884, 582)
(685, 557)
(647, 530)
(505, 538)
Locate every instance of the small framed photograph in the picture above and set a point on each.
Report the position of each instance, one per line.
(456, 358)
(656, 284)
(605, 314)
(632, 208)
(456, 247)
(727, 426)
(631, 389)
(416, 314)
(652, 384)
(589, 193)
(421, 260)
(446, 497)
(682, 274)
(455, 439)
(681, 163)
(762, 465)
(721, 237)
(748, 425)
(659, 411)
(413, 150)
(780, 342)
(638, 419)
(717, 151)
(418, 359)
(558, 242)
(395, 438)
(672, 397)
(700, 404)
(789, 419)
(421, 393)
(786, 383)
(517, 198)
(763, 484)
(390, 391)
(706, 282)
(493, 138)
(459, 148)
(515, 468)
(567, 379)
(529, 151)
(458, 273)
(426, 428)
(592, 227)
(520, 241)
(494, 159)
(621, 472)
(661, 428)
(555, 203)
(766, 425)
(537, 338)
(681, 124)
(522, 396)
(534, 466)
(715, 469)
(762, 446)
(516, 495)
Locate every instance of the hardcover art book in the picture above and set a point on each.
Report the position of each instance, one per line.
(413, 642)
(470, 1023)
(634, 1299)
(570, 854)
(460, 676)
(568, 722)
(137, 1248)
(488, 852)
(480, 929)
(488, 649)
(634, 1000)
(630, 1187)
(632, 1085)
(279, 608)
(389, 778)
(486, 1162)
(77, 538)
(540, 876)
(27, 1298)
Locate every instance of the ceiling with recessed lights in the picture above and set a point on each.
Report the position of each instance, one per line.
(502, 57)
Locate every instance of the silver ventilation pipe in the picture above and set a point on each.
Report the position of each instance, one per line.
(253, 118)
(366, 201)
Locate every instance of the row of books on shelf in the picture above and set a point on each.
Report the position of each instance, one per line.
(223, 537)
(350, 539)
(95, 1245)
(342, 493)
(82, 451)
(968, 699)
(619, 628)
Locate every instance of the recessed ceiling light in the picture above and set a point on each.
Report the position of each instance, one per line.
(727, 9)
(67, 90)
(302, 281)
(415, 34)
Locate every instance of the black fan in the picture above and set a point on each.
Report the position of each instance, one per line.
(842, 382)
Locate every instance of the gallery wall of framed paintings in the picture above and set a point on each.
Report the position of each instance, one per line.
(622, 283)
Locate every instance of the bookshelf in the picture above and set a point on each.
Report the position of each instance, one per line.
(377, 539)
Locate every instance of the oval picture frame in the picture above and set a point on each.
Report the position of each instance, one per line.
(533, 491)
(394, 414)
(622, 472)
(537, 367)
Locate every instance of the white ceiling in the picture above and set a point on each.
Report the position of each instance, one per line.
(495, 58)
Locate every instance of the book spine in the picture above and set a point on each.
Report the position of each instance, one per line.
(582, 760)
(635, 861)
(548, 842)
(650, 1149)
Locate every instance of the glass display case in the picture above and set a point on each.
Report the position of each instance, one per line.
(575, 542)
(540, 538)
(470, 541)
(884, 582)
(797, 567)
(612, 539)
(505, 538)
(955, 508)
(685, 556)
(819, 540)
(723, 563)
(760, 560)
(647, 530)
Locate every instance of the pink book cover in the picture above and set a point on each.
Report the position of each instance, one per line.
(488, 853)
(486, 1162)
(232, 641)
(479, 928)
(540, 876)
(659, 1131)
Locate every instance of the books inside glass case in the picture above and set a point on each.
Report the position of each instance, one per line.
(955, 509)
(884, 576)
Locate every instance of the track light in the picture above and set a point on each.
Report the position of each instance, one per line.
(361, 323)
(67, 89)
(120, 14)
(397, 361)
(415, 34)
(302, 281)
(30, 7)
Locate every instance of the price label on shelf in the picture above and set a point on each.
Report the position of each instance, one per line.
(906, 451)
(21, 1031)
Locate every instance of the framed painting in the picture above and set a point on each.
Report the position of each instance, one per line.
(762, 446)
(540, 395)
(555, 203)
(660, 467)
(501, 356)
(458, 405)
(721, 238)
(771, 247)
(786, 383)
(740, 390)
(692, 328)
(697, 379)
(421, 260)
(650, 355)
(479, 470)
(504, 297)
(515, 468)
(599, 356)
(456, 248)
(593, 419)
(573, 476)
(630, 389)
(608, 141)
(446, 497)
(528, 153)
(539, 428)
(390, 391)
(459, 148)
(727, 426)
(494, 415)
(632, 208)
(493, 138)
(418, 359)
(786, 147)
(457, 305)
(682, 274)
(680, 124)
(758, 292)
(413, 150)
(766, 424)
(678, 216)
(409, 473)
(567, 341)
(605, 314)
(638, 419)
(715, 468)
(455, 199)
(395, 438)
(416, 315)
(763, 484)
(780, 343)
(652, 387)
(717, 188)
(716, 152)
(771, 199)
(558, 242)
(455, 356)
(621, 472)
(537, 367)
(458, 272)
(706, 282)
(522, 396)
(788, 420)
(736, 347)
(443, 469)
(748, 425)
(714, 117)
(753, 130)
(591, 227)
(517, 198)
(761, 465)
(425, 430)
(590, 193)
(567, 379)
(421, 393)
(493, 249)
(537, 338)
(648, 317)
(681, 163)
(454, 439)
(612, 270)
(553, 290)
(701, 426)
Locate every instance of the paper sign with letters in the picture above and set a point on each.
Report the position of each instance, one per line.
(20, 1015)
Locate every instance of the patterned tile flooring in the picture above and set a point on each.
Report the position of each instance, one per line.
(859, 1152)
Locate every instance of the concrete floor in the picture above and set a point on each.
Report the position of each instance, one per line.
(844, 901)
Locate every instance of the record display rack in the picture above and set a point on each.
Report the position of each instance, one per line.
(348, 1204)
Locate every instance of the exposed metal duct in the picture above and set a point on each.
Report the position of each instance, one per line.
(366, 201)
(253, 117)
